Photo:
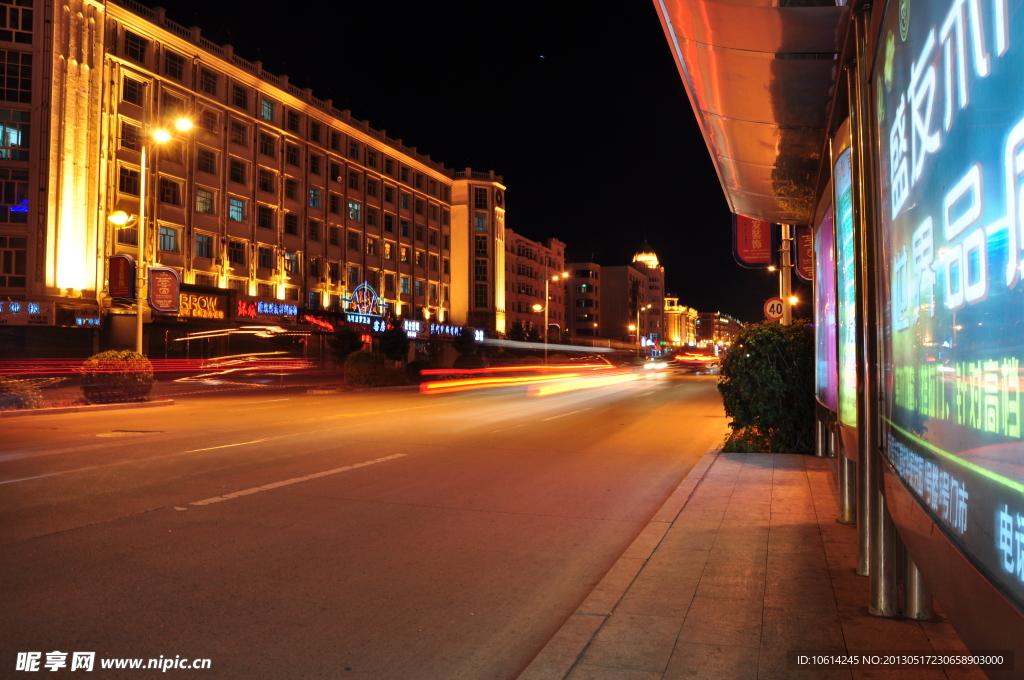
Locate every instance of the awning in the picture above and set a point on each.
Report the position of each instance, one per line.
(760, 78)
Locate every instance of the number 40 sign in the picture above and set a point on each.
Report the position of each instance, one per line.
(773, 309)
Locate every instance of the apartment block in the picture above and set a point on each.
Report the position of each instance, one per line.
(531, 268)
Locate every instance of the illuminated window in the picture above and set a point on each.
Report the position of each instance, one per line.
(236, 209)
(371, 246)
(403, 254)
(480, 221)
(174, 65)
(206, 161)
(420, 259)
(291, 263)
(267, 110)
(480, 198)
(13, 259)
(266, 180)
(135, 46)
(240, 96)
(265, 217)
(130, 136)
(208, 81)
(291, 224)
(316, 198)
(267, 147)
(169, 239)
(132, 91)
(14, 134)
(389, 223)
(480, 295)
(586, 288)
(405, 285)
(389, 251)
(239, 171)
(16, 20)
(204, 246)
(128, 181)
(169, 192)
(208, 121)
(355, 210)
(314, 230)
(239, 133)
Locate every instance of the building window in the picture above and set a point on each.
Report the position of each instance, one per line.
(208, 81)
(371, 158)
(206, 161)
(13, 261)
(336, 141)
(433, 237)
(315, 163)
(334, 236)
(236, 252)
(434, 263)
(314, 131)
(446, 217)
(265, 257)
(389, 223)
(314, 230)
(128, 237)
(433, 292)
(335, 172)
(291, 263)
(174, 65)
(236, 209)
(266, 180)
(446, 266)
(316, 198)
(204, 246)
(208, 121)
(17, 67)
(389, 166)
(17, 22)
(314, 271)
(404, 200)
(239, 133)
(480, 270)
(371, 187)
(291, 155)
(418, 181)
(419, 232)
(480, 198)
(481, 245)
(239, 171)
(480, 295)
(371, 246)
(169, 191)
(172, 152)
(371, 217)
(585, 302)
(421, 206)
(14, 133)
(169, 239)
(135, 46)
(353, 150)
(419, 288)
(405, 285)
(353, 180)
(132, 91)
(403, 254)
(389, 193)
(355, 210)
(265, 217)
(291, 224)
(353, 241)
(335, 204)
(433, 212)
(403, 228)
(128, 181)
(586, 288)
(353, 276)
(265, 290)
(447, 242)
(333, 272)
(267, 145)
(389, 283)
(420, 259)
(404, 175)
(240, 97)
(292, 121)
(266, 109)
(129, 136)
(291, 189)
(389, 250)
(584, 274)
(480, 221)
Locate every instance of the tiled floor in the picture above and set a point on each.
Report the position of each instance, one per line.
(753, 566)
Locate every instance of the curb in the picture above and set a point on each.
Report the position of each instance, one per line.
(86, 408)
(557, 658)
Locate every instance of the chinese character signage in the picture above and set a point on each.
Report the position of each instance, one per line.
(249, 309)
(826, 377)
(950, 110)
(846, 291)
(203, 306)
(121, 276)
(164, 289)
(753, 243)
(25, 313)
(803, 252)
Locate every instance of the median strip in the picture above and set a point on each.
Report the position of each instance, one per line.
(295, 480)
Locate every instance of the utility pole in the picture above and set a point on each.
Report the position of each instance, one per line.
(785, 274)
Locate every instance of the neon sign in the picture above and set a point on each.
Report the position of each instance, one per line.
(252, 309)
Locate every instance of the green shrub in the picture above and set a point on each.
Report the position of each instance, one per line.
(345, 341)
(413, 369)
(767, 387)
(394, 344)
(364, 369)
(116, 376)
(19, 394)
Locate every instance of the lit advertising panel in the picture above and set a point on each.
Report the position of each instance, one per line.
(846, 291)
(950, 109)
(826, 376)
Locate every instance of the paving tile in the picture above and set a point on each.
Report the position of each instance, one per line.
(731, 622)
(588, 672)
(634, 641)
(658, 595)
(731, 587)
(682, 562)
(562, 651)
(712, 662)
(603, 598)
(644, 544)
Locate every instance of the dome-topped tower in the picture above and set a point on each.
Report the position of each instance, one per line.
(646, 256)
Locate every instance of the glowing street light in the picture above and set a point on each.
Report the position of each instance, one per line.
(183, 124)
(537, 307)
(793, 299)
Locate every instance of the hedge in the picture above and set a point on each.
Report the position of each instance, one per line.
(115, 376)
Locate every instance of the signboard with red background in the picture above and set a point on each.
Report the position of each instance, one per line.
(803, 244)
(121, 272)
(753, 242)
(164, 290)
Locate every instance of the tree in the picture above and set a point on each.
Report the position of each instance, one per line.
(465, 344)
(344, 342)
(533, 335)
(517, 331)
(394, 344)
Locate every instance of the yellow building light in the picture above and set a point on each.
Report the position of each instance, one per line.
(183, 124)
(161, 136)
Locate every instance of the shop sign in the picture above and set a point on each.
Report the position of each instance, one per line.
(411, 328)
(164, 290)
(202, 306)
(121, 270)
(753, 242)
(24, 313)
(258, 310)
(78, 316)
(803, 244)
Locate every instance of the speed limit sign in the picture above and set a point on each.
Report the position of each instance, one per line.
(773, 309)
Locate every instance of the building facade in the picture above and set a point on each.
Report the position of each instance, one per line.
(680, 323)
(530, 267)
(273, 195)
(716, 331)
(583, 301)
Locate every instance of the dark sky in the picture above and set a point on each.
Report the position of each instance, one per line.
(578, 105)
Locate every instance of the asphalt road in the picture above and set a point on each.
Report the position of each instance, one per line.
(490, 518)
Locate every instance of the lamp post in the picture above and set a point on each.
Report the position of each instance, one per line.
(638, 327)
(123, 219)
(547, 304)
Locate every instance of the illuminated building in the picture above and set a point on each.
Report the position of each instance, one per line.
(272, 196)
(527, 265)
(715, 328)
(582, 300)
(680, 323)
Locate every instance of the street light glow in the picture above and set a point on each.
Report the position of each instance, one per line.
(183, 124)
(793, 299)
(161, 136)
(537, 307)
(119, 218)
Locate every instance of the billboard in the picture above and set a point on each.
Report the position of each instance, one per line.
(753, 242)
(950, 111)
(825, 373)
(846, 290)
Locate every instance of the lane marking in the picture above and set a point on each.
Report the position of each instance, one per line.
(295, 480)
(264, 401)
(228, 446)
(566, 414)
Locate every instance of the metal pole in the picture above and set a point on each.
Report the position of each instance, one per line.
(785, 277)
(141, 266)
(847, 484)
(547, 302)
(917, 598)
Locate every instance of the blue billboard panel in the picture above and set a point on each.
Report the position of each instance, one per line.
(950, 111)
(846, 289)
(826, 377)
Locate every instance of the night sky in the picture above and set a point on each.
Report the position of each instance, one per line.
(578, 105)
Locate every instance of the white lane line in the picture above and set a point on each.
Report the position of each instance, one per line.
(294, 480)
(265, 401)
(228, 446)
(566, 414)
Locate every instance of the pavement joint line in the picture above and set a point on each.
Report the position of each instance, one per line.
(567, 414)
(228, 446)
(295, 480)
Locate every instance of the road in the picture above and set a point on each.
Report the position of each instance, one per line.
(474, 526)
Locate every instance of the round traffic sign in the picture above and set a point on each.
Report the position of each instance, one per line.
(773, 309)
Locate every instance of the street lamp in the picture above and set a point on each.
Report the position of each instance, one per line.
(547, 305)
(122, 219)
(638, 327)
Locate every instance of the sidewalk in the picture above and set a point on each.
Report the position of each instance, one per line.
(743, 563)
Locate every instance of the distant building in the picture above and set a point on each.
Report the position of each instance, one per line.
(582, 300)
(478, 251)
(715, 329)
(528, 264)
(680, 323)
